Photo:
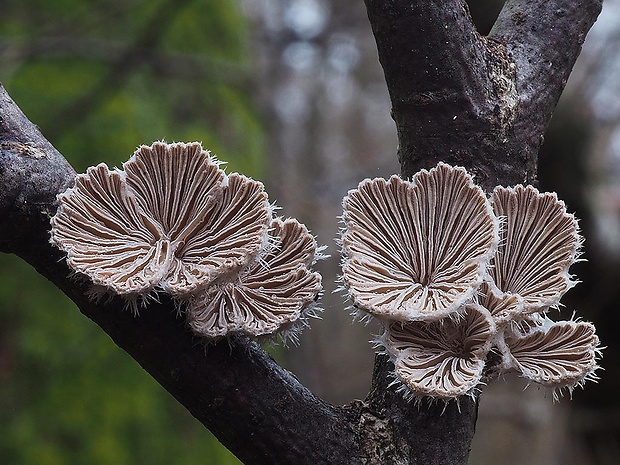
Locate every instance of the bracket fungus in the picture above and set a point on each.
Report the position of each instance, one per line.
(554, 354)
(463, 284)
(441, 358)
(417, 250)
(538, 244)
(271, 294)
(172, 221)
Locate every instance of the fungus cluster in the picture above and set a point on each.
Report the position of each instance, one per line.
(463, 284)
(173, 221)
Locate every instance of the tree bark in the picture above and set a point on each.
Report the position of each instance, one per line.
(480, 102)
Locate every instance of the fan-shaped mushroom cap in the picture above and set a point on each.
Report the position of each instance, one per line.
(170, 220)
(227, 236)
(538, 244)
(417, 250)
(442, 359)
(107, 236)
(174, 183)
(269, 295)
(555, 354)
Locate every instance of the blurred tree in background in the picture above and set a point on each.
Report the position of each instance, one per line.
(101, 77)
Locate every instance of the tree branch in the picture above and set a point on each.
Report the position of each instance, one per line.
(483, 103)
(543, 39)
(236, 390)
(457, 97)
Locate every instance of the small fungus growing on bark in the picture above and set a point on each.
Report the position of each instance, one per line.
(270, 295)
(417, 250)
(450, 287)
(538, 244)
(172, 221)
(441, 359)
(560, 355)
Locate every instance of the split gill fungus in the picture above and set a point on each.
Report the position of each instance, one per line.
(453, 276)
(172, 221)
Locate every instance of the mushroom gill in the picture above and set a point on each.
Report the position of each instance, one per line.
(417, 250)
(268, 296)
(441, 359)
(171, 220)
(539, 241)
(559, 354)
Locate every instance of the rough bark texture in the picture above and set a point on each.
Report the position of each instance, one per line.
(480, 102)
(483, 103)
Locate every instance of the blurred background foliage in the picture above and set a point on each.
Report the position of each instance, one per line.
(100, 78)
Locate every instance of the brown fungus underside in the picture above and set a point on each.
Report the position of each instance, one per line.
(452, 276)
(270, 293)
(172, 221)
(416, 250)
